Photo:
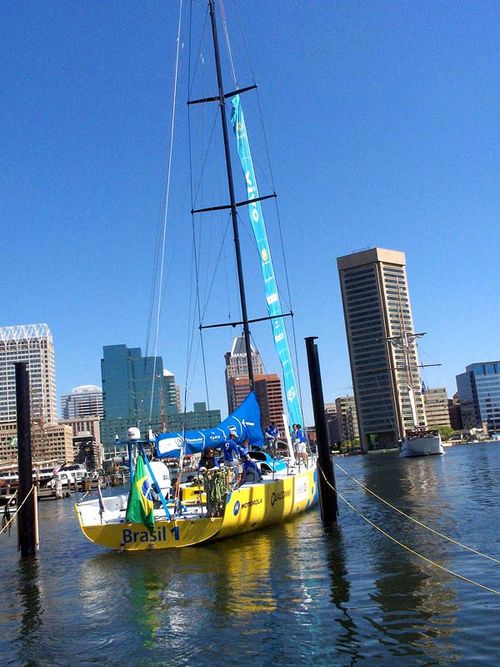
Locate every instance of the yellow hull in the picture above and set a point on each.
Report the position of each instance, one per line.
(247, 508)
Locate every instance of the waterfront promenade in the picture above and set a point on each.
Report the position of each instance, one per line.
(286, 595)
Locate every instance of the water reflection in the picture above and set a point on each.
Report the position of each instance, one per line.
(30, 599)
(175, 595)
(417, 605)
(348, 637)
(288, 594)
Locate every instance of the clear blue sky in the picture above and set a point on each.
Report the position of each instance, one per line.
(382, 120)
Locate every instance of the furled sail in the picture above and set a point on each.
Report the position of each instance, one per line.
(245, 422)
(259, 229)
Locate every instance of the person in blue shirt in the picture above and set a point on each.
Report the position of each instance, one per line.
(250, 473)
(231, 451)
(300, 444)
(244, 448)
(272, 434)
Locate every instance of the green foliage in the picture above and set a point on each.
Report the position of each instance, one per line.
(445, 432)
(347, 446)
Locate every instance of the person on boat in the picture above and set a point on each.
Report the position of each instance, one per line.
(207, 460)
(250, 473)
(300, 444)
(244, 448)
(231, 452)
(272, 434)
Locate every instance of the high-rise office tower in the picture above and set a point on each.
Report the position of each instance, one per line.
(347, 418)
(84, 401)
(377, 308)
(236, 360)
(267, 385)
(436, 407)
(237, 367)
(33, 344)
(479, 392)
(130, 397)
(267, 388)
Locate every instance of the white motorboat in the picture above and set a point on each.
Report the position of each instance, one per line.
(421, 443)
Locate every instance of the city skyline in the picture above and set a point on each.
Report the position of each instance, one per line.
(83, 390)
(397, 137)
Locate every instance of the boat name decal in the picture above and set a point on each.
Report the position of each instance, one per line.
(133, 536)
(275, 497)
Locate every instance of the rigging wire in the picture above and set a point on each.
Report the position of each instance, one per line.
(214, 274)
(201, 304)
(419, 523)
(405, 546)
(288, 298)
(163, 233)
(9, 522)
(228, 42)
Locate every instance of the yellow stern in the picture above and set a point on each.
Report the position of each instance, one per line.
(166, 535)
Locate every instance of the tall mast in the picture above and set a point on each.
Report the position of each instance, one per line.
(405, 344)
(232, 199)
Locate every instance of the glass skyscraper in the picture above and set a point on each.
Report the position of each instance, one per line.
(479, 391)
(130, 396)
(84, 401)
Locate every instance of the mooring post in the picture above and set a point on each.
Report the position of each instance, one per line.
(326, 476)
(26, 521)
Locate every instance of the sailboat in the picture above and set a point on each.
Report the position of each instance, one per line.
(417, 440)
(213, 506)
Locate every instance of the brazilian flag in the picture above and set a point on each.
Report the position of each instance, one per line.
(140, 498)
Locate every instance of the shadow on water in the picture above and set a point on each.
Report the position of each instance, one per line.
(348, 638)
(29, 596)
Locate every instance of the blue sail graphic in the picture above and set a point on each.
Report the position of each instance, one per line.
(245, 422)
(259, 229)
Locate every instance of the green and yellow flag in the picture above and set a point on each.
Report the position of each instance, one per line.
(140, 500)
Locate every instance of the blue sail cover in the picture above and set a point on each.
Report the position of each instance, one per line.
(259, 229)
(245, 422)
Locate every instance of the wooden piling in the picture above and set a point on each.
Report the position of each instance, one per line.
(326, 475)
(26, 520)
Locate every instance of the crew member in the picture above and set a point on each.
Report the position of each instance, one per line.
(272, 434)
(231, 452)
(250, 473)
(208, 460)
(300, 444)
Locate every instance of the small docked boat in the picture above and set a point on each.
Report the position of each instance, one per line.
(214, 504)
(42, 474)
(421, 443)
(70, 474)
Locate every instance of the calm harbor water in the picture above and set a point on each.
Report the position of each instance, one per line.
(288, 595)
